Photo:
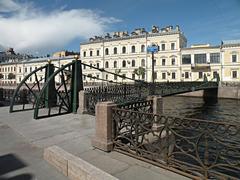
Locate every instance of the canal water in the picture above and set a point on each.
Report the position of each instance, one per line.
(227, 110)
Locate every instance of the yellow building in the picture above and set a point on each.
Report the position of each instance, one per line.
(123, 53)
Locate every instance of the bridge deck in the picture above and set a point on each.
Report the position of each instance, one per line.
(73, 133)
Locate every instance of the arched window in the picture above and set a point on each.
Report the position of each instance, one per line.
(133, 49)
(98, 52)
(143, 62)
(106, 51)
(115, 50)
(84, 54)
(124, 63)
(133, 63)
(143, 48)
(106, 64)
(90, 53)
(123, 49)
(115, 64)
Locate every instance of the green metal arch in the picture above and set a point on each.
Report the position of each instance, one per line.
(21, 84)
(41, 94)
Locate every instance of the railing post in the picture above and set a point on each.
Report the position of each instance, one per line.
(104, 128)
(50, 93)
(77, 84)
(82, 108)
(1, 94)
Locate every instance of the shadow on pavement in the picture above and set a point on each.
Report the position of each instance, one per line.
(11, 162)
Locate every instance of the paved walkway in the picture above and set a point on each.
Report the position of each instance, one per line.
(73, 133)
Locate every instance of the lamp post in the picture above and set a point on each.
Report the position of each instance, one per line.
(153, 49)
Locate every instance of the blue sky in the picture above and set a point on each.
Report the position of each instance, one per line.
(205, 21)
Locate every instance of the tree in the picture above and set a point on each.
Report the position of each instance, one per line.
(139, 72)
(11, 76)
(117, 71)
(1, 76)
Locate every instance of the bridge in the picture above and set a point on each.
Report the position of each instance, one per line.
(199, 148)
(57, 92)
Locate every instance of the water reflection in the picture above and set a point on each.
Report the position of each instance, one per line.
(223, 110)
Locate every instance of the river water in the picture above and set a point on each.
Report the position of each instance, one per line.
(227, 110)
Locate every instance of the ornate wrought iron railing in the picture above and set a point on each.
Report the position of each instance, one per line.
(196, 148)
(117, 93)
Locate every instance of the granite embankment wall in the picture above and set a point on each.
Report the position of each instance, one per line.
(231, 91)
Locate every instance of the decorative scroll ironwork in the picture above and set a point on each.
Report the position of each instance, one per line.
(137, 92)
(118, 94)
(26, 93)
(199, 148)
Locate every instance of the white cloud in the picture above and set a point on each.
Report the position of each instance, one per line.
(31, 30)
(8, 6)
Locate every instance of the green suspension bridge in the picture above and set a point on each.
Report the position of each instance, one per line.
(57, 92)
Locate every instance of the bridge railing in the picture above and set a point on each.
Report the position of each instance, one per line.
(196, 148)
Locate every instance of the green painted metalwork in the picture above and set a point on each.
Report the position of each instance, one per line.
(25, 94)
(66, 91)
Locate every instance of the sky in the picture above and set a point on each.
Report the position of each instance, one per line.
(41, 27)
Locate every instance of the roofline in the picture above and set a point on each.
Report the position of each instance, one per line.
(134, 37)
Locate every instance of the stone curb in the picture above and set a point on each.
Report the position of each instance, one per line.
(72, 166)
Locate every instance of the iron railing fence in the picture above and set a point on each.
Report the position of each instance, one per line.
(115, 93)
(139, 91)
(196, 148)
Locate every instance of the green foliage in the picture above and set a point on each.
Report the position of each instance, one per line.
(139, 72)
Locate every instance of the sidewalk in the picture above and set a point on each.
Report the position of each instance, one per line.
(73, 133)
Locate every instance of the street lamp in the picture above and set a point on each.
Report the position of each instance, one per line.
(153, 49)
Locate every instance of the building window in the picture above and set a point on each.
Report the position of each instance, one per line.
(163, 62)
(36, 68)
(133, 63)
(106, 51)
(200, 75)
(30, 69)
(123, 49)
(164, 75)
(163, 47)
(124, 63)
(214, 57)
(115, 64)
(98, 52)
(97, 75)
(143, 48)
(115, 77)
(154, 62)
(133, 49)
(84, 54)
(133, 76)
(84, 66)
(172, 46)
(30, 79)
(186, 59)
(234, 58)
(90, 53)
(106, 64)
(173, 61)
(215, 74)
(143, 76)
(25, 70)
(173, 75)
(20, 70)
(186, 75)
(90, 65)
(155, 75)
(234, 74)
(143, 62)
(20, 79)
(200, 58)
(14, 69)
(115, 50)
(97, 65)
(106, 76)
